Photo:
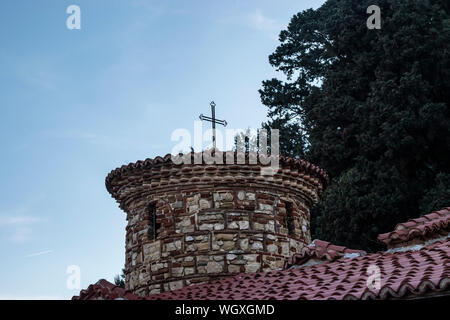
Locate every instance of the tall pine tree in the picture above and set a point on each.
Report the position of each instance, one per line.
(369, 106)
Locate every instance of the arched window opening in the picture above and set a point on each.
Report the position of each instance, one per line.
(289, 219)
(154, 225)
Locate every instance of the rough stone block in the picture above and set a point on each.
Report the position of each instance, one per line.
(252, 267)
(202, 246)
(174, 285)
(214, 267)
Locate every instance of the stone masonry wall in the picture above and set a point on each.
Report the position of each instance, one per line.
(208, 234)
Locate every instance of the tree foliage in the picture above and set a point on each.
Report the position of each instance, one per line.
(369, 106)
(119, 280)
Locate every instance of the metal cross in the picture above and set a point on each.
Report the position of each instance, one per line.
(213, 121)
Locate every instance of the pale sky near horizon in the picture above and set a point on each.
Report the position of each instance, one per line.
(75, 104)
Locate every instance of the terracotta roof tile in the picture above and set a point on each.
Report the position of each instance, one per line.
(428, 226)
(104, 290)
(321, 250)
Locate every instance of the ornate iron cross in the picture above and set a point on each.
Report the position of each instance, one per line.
(213, 121)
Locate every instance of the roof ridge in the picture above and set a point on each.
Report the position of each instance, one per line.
(322, 250)
(418, 227)
(107, 290)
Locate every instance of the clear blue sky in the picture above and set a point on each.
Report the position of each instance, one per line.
(75, 104)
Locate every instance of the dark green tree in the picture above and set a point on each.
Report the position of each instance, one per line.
(119, 280)
(369, 106)
(438, 196)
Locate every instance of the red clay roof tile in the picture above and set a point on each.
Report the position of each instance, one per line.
(321, 250)
(104, 290)
(427, 226)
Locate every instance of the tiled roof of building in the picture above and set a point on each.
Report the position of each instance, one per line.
(424, 227)
(341, 273)
(104, 290)
(402, 274)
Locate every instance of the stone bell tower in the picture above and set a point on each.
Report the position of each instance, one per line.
(191, 223)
